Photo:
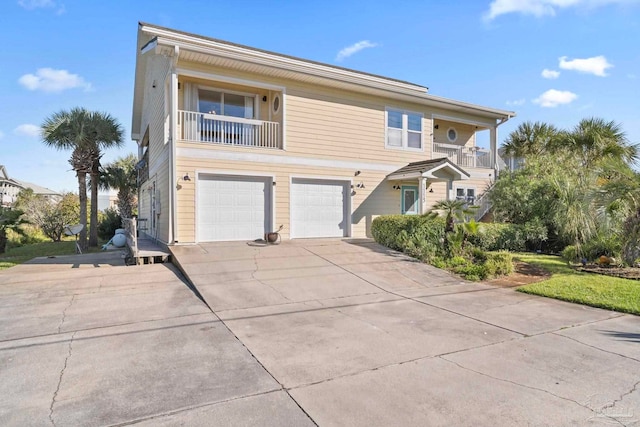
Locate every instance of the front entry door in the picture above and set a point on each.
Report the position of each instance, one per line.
(409, 199)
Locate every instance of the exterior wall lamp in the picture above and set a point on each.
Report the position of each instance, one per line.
(185, 178)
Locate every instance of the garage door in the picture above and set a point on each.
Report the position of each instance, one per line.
(232, 208)
(318, 208)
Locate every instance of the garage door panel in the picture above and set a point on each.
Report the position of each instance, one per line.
(232, 208)
(318, 208)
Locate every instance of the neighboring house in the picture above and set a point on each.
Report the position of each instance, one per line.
(108, 200)
(10, 187)
(235, 141)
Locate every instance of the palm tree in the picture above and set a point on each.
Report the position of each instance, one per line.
(86, 133)
(71, 130)
(121, 175)
(453, 210)
(10, 219)
(108, 134)
(530, 139)
(596, 139)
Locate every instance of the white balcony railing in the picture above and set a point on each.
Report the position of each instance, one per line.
(226, 130)
(470, 157)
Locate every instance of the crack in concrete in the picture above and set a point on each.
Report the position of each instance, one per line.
(594, 347)
(528, 387)
(64, 312)
(619, 399)
(253, 276)
(55, 393)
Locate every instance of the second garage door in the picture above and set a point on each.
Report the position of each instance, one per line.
(319, 208)
(232, 207)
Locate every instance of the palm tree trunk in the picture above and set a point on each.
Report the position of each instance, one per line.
(93, 231)
(82, 193)
(3, 240)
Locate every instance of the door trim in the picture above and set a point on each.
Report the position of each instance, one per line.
(413, 188)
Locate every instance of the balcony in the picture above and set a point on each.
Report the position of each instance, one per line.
(466, 157)
(229, 131)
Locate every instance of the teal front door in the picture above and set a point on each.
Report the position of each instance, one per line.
(409, 199)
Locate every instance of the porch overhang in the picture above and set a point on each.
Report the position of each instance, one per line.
(435, 170)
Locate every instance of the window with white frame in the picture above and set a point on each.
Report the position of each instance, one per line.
(466, 194)
(226, 103)
(404, 129)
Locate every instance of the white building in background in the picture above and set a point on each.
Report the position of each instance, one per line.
(10, 187)
(107, 200)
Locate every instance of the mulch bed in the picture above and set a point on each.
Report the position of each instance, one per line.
(632, 273)
(523, 274)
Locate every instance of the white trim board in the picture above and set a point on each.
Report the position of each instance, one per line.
(200, 153)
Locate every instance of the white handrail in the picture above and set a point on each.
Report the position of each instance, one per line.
(236, 131)
(471, 157)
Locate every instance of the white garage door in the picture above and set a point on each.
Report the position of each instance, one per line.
(318, 208)
(232, 208)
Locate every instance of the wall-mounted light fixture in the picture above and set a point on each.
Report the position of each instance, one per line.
(436, 127)
(154, 84)
(430, 190)
(396, 187)
(357, 173)
(185, 178)
(264, 98)
(360, 184)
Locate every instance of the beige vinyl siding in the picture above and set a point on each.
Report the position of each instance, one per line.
(376, 198)
(466, 133)
(320, 123)
(439, 193)
(155, 116)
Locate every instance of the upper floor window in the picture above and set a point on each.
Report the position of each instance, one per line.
(225, 103)
(404, 129)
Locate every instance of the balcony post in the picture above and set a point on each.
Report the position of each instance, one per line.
(493, 138)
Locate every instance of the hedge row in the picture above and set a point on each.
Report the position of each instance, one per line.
(393, 231)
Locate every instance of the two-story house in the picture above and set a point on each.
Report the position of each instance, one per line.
(235, 141)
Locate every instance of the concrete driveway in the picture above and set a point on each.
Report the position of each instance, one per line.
(323, 332)
(360, 335)
(86, 341)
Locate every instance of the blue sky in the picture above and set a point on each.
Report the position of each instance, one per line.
(550, 60)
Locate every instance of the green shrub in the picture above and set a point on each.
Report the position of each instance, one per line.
(423, 237)
(570, 254)
(509, 237)
(499, 263)
(109, 223)
(473, 272)
(395, 231)
(609, 245)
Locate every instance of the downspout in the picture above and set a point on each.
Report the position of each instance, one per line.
(173, 132)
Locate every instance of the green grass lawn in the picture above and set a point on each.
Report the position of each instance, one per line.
(584, 288)
(15, 256)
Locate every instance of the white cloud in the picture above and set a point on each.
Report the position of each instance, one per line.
(552, 98)
(36, 4)
(28, 129)
(539, 8)
(354, 48)
(550, 74)
(597, 65)
(516, 102)
(50, 80)
(1, 134)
